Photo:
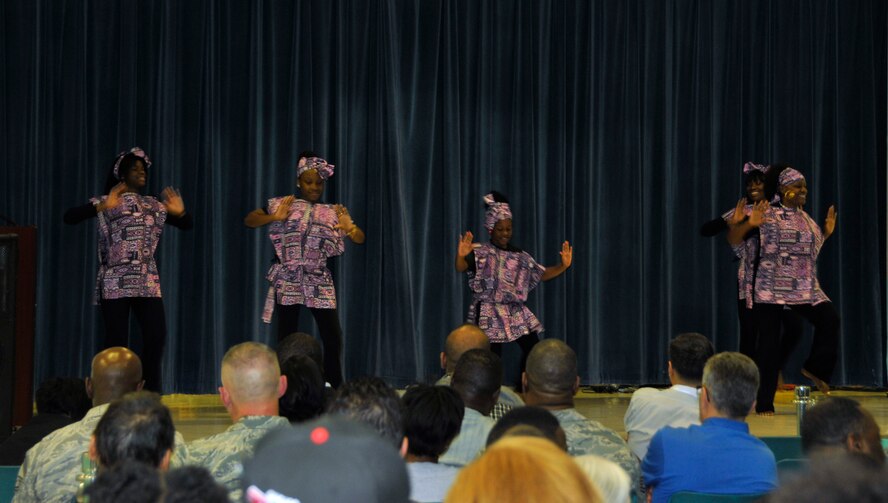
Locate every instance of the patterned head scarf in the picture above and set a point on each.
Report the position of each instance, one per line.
(495, 212)
(136, 151)
(749, 167)
(789, 176)
(324, 169)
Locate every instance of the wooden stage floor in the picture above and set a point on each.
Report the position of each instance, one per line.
(197, 416)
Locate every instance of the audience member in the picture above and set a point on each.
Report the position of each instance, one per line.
(136, 427)
(651, 409)
(610, 478)
(332, 458)
(369, 400)
(523, 469)
(251, 386)
(840, 478)
(551, 381)
(719, 456)
(432, 418)
(460, 340)
(127, 481)
(538, 418)
(477, 379)
(839, 424)
(49, 473)
(301, 344)
(192, 483)
(304, 398)
(60, 402)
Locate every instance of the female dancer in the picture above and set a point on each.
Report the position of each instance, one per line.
(129, 226)
(501, 276)
(787, 276)
(305, 233)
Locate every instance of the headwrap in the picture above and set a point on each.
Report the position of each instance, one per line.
(136, 151)
(324, 169)
(495, 212)
(749, 167)
(789, 176)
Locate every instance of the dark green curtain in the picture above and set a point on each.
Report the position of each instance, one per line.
(618, 125)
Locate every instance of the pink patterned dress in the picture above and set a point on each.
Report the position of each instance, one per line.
(303, 243)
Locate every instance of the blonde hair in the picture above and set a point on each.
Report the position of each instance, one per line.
(610, 478)
(526, 470)
(251, 373)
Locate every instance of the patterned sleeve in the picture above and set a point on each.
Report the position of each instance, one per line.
(535, 271)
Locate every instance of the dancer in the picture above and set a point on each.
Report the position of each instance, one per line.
(754, 175)
(129, 227)
(501, 276)
(787, 276)
(305, 233)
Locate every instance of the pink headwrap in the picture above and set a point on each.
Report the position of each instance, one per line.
(324, 169)
(136, 151)
(789, 176)
(495, 212)
(749, 167)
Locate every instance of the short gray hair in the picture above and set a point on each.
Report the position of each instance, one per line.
(731, 380)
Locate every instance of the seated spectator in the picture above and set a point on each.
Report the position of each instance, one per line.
(302, 344)
(477, 379)
(836, 425)
(371, 401)
(551, 381)
(651, 409)
(840, 478)
(190, 484)
(251, 386)
(304, 398)
(60, 402)
(137, 427)
(329, 459)
(523, 469)
(129, 481)
(460, 340)
(610, 479)
(432, 417)
(719, 456)
(538, 418)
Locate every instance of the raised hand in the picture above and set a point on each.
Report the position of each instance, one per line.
(172, 201)
(283, 210)
(739, 213)
(758, 213)
(566, 254)
(465, 245)
(830, 224)
(346, 224)
(113, 198)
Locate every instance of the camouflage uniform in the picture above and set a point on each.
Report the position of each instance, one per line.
(222, 454)
(49, 473)
(585, 436)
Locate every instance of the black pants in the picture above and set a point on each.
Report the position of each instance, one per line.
(824, 349)
(791, 324)
(329, 329)
(149, 313)
(526, 342)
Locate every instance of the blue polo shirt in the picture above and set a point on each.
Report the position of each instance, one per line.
(719, 456)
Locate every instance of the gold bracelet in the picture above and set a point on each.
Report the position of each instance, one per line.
(354, 229)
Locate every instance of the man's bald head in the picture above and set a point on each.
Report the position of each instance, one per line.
(115, 372)
(552, 368)
(251, 374)
(462, 339)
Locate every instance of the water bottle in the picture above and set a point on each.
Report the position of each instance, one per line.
(803, 401)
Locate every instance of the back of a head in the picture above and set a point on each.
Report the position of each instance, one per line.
(115, 372)
(731, 380)
(463, 338)
(331, 458)
(836, 420)
(251, 374)
(66, 396)
(478, 375)
(842, 478)
(304, 397)
(128, 481)
(541, 419)
(688, 353)
(610, 478)
(552, 368)
(371, 401)
(523, 469)
(137, 427)
(300, 344)
(193, 483)
(432, 418)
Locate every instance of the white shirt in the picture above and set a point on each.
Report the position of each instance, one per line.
(651, 409)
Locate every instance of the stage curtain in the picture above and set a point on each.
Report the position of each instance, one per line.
(620, 126)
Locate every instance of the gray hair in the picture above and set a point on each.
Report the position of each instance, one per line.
(731, 380)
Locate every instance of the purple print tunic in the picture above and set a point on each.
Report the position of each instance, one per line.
(303, 242)
(128, 236)
(787, 271)
(747, 252)
(500, 281)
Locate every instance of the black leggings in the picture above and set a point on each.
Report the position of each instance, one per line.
(790, 322)
(824, 349)
(329, 329)
(152, 321)
(526, 342)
